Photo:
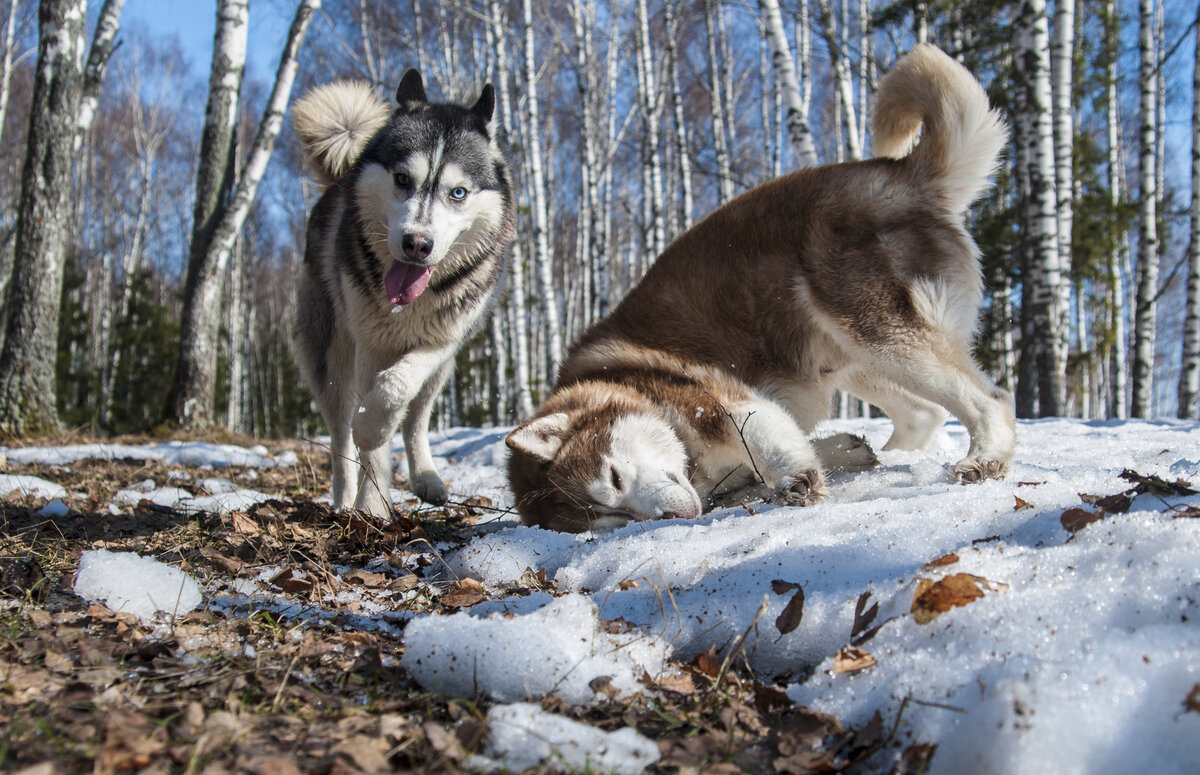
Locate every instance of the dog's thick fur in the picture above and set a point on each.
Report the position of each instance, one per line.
(857, 276)
(405, 252)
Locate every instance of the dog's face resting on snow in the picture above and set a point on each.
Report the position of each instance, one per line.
(599, 469)
(429, 187)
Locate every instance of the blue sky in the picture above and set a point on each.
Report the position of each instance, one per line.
(193, 22)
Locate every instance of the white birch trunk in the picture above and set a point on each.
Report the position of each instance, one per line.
(1147, 285)
(1062, 61)
(683, 151)
(835, 42)
(192, 404)
(650, 102)
(797, 112)
(1049, 287)
(725, 187)
(1189, 375)
(516, 293)
(103, 43)
(541, 214)
(6, 66)
(583, 17)
(1117, 379)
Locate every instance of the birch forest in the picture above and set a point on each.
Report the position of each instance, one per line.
(152, 208)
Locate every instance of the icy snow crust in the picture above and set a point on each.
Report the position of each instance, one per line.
(521, 736)
(142, 586)
(1081, 665)
(189, 453)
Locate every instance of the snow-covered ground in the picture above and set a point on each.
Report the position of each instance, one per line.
(1070, 652)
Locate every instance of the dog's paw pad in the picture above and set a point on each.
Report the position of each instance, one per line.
(805, 490)
(970, 471)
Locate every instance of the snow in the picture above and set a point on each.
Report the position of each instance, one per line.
(29, 485)
(559, 649)
(522, 736)
(183, 453)
(129, 583)
(1078, 656)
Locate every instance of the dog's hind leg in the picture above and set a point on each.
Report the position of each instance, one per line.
(375, 481)
(914, 420)
(937, 367)
(423, 478)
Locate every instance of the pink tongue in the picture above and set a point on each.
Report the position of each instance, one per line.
(404, 282)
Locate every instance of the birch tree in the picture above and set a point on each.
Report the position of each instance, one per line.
(1147, 283)
(218, 219)
(6, 63)
(1189, 376)
(683, 151)
(516, 298)
(1045, 288)
(1062, 61)
(835, 41)
(725, 187)
(541, 212)
(797, 111)
(650, 102)
(1116, 371)
(43, 233)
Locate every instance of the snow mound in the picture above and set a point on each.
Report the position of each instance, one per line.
(559, 649)
(29, 485)
(142, 586)
(523, 736)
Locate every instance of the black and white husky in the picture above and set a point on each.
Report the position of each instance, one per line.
(404, 257)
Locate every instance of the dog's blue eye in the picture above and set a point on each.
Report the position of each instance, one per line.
(402, 180)
(458, 193)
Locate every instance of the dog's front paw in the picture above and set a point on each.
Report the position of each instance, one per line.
(802, 490)
(430, 488)
(971, 470)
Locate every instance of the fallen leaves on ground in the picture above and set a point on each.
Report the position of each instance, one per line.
(851, 660)
(789, 618)
(1075, 519)
(934, 598)
(291, 683)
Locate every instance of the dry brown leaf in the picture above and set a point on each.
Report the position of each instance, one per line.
(1021, 503)
(1191, 703)
(707, 662)
(1075, 519)
(679, 683)
(39, 617)
(230, 565)
(464, 594)
(602, 684)
(363, 578)
(934, 598)
(793, 612)
(945, 559)
(243, 524)
(403, 583)
(851, 660)
(627, 584)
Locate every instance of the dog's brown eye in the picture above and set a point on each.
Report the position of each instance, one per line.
(616, 479)
(402, 180)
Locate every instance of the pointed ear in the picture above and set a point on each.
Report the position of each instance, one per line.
(485, 106)
(411, 89)
(541, 437)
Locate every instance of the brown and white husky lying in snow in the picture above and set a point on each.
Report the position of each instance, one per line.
(702, 385)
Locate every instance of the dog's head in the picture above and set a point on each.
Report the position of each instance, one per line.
(432, 187)
(603, 468)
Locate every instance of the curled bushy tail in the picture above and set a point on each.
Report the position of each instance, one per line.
(962, 138)
(335, 122)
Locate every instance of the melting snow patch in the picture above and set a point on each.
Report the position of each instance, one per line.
(557, 650)
(523, 736)
(29, 485)
(142, 586)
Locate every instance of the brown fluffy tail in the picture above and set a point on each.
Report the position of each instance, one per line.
(335, 122)
(962, 139)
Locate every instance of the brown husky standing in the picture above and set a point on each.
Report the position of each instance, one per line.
(707, 377)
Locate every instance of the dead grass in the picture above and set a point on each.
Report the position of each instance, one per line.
(304, 687)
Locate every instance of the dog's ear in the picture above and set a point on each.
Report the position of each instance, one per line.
(411, 91)
(485, 106)
(541, 437)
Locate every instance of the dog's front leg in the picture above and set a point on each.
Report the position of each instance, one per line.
(779, 452)
(386, 395)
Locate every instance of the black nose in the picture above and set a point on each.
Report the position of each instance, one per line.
(417, 246)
